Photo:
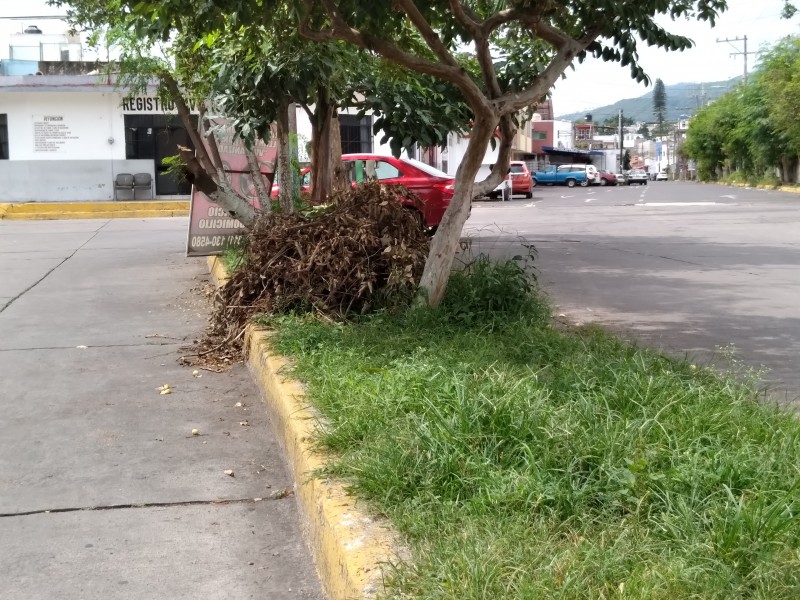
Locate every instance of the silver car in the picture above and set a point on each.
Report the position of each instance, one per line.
(637, 176)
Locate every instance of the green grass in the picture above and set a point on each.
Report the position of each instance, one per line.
(522, 461)
(232, 257)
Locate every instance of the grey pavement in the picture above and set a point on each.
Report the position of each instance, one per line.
(93, 316)
(680, 267)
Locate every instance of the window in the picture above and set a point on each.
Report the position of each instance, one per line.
(539, 135)
(3, 137)
(517, 169)
(356, 134)
(362, 170)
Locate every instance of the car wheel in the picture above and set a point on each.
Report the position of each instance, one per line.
(603, 182)
(570, 183)
(645, 183)
(534, 183)
(528, 195)
(584, 183)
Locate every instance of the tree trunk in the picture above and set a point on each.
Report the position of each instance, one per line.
(201, 170)
(220, 193)
(445, 243)
(338, 175)
(262, 193)
(286, 194)
(321, 175)
(293, 152)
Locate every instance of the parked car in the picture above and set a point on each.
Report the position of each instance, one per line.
(637, 176)
(662, 176)
(569, 175)
(305, 184)
(520, 179)
(434, 187)
(607, 178)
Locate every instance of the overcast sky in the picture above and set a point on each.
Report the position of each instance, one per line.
(595, 83)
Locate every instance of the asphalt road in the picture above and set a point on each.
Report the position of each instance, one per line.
(104, 491)
(681, 267)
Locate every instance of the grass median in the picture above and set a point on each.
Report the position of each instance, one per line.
(520, 460)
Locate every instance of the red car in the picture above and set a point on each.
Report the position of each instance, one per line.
(607, 178)
(433, 186)
(520, 178)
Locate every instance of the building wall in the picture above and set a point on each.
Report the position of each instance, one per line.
(64, 146)
(543, 136)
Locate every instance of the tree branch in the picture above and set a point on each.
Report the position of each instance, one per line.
(428, 34)
(185, 115)
(500, 168)
(212, 140)
(482, 48)
(512, 102)
(340, 30)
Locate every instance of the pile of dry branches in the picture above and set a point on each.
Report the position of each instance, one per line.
(365, 250)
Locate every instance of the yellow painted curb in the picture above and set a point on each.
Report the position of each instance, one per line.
(219, 274)
(3, 209)
(95, 210)
(349, 546)
(127, 214)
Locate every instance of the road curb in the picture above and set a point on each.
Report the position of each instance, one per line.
(219, 274)
(40, 211)
(782, 188)
(350, 546)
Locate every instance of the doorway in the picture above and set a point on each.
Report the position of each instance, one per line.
(157, 137)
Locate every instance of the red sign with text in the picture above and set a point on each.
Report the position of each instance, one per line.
(211, 228)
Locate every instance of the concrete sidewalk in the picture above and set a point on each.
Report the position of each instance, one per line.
(104, 492)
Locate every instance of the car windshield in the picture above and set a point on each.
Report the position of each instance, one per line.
(426, 168)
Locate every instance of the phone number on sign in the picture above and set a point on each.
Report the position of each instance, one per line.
(204, 241)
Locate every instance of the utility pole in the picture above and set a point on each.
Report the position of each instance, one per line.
(621, 143)
(738, 52)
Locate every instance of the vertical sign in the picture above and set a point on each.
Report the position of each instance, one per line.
(211, 228)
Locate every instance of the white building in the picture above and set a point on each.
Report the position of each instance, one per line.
(66, 137)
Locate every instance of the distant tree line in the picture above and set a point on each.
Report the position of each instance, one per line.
(752, 133)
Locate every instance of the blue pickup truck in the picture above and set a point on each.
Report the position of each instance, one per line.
(569, 175)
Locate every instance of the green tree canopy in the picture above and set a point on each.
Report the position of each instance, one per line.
(502, 56)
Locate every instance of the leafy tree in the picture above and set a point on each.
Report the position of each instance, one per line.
(453, 41)
(659, 105)
(626, 160)
(780, 79)
(551, 35)
(752, 129)
(613, 122)
(644, 131)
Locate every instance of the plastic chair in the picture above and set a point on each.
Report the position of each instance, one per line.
(123, 181)
(142, 181)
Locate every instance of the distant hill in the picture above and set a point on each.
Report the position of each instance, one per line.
(682, 99)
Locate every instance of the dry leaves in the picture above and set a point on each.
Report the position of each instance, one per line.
(366, 250)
